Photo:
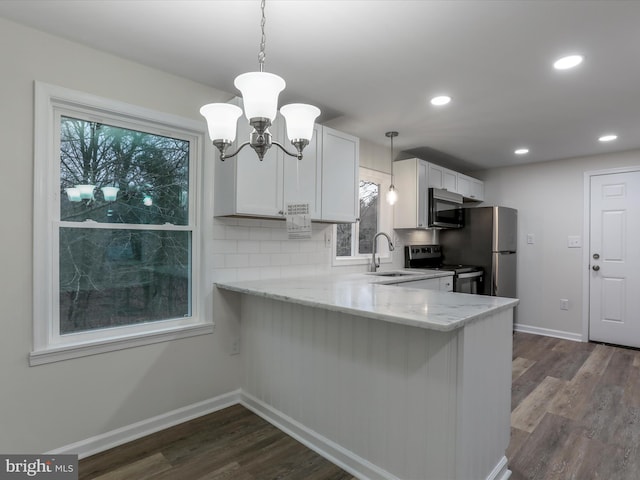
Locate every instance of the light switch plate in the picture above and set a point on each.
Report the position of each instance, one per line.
(531, 238)
(574, 241)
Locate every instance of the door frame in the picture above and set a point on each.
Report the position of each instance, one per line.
(586, 235)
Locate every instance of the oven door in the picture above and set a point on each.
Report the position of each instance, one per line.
(445, 209)
(470, 282)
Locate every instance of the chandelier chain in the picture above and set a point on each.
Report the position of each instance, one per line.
(263, 38)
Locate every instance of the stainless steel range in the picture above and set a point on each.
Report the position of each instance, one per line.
(466, 278)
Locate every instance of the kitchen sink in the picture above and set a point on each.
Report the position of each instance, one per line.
(392, 274)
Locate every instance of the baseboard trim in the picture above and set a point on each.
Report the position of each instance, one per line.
(548, 332)
(501, 471)
(340, 456)
(114, 438)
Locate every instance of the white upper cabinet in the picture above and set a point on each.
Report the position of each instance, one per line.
(470, 188)
(326, 178)
(244, 185)
(301, 183)
(340, 182)
(440, 177)
(410, 178)
(413, 177)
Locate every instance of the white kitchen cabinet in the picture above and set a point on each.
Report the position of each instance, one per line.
(410, 178)
(470, 188)
(244, 185)
(302, 177)
(340, 179)
(326, 178)
(440, 177)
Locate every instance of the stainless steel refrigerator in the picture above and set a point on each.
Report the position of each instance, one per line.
(488, 240)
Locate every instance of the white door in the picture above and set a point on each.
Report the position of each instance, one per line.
(614, 259)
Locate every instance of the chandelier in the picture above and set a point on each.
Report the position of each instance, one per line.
(260, 92)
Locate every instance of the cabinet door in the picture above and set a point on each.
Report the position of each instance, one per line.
(302, 178)
(450, 180)
(464, 185)
(436, 176)
(340, 183)
(258, 183)
(477, 190)
(423, 193)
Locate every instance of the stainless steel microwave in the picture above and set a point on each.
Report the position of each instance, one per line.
(445, 209)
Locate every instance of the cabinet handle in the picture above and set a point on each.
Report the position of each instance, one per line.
(280, 212)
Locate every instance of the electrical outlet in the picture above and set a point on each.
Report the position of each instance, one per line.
(564, 304)
(531, 238)
(235, 346)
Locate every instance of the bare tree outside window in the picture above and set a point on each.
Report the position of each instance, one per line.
(121, 260)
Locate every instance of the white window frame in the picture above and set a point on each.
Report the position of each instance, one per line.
(48, 344)
(385, 222)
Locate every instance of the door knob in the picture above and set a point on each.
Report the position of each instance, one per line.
(596, 267)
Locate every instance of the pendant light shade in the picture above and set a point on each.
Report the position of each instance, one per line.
(392, 195)
(222, 121)
(260, 92)
(300, 119)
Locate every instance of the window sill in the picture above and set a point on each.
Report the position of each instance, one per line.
(67, 352)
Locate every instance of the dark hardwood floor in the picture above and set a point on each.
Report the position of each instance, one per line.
(575, 410)
(575, 415)
(231, 444)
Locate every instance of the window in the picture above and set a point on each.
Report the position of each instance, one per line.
(116, 236)
(354, 242)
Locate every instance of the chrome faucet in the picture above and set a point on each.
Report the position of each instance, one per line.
(373, 266)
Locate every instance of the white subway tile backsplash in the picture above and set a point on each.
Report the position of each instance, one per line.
(271, 246)
(235, 232)
(225, 246)
(248, 246)
(257, 260)
(259, 233)
(236, 260)
(251, 248)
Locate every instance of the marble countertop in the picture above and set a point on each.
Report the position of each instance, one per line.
(380, 297)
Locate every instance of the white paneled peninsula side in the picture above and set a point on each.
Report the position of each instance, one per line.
(387, 381)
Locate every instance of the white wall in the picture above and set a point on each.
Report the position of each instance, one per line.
(49, 406)
(549, 197)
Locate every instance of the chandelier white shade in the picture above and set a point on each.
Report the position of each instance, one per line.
(260, 92)
(300, 119)
(222, 120)
(110, 193)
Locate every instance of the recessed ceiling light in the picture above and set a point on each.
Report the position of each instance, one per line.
(521, 151)
(608, 138)
(568, 62)
(440, 100)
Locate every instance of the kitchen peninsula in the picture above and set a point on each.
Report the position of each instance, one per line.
(386, 380)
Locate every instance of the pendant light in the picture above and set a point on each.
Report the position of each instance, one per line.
(260, 92)
(392, 194)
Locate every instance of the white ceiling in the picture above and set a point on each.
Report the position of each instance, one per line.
(371, 66)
